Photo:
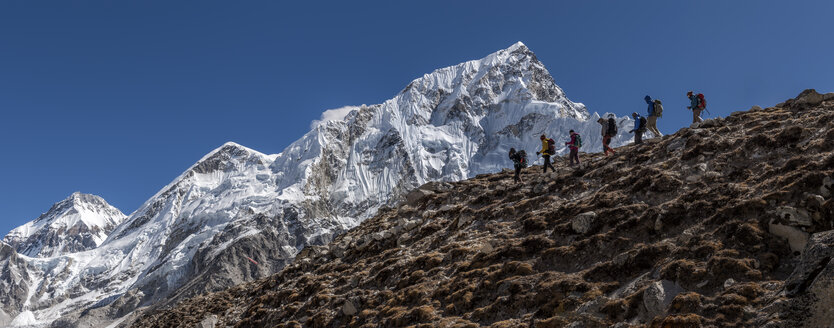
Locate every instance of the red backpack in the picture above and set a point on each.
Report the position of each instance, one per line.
(551, 146)
(702, 103)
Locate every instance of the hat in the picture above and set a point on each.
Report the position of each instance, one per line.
(542, 137)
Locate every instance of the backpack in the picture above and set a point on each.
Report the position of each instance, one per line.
(578, 142)
(702, 103)
(612, 127)
(658, 108)
(642, 124)
(551, 146)
(522, 155)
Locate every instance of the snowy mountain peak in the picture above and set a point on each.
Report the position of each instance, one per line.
(236, 206)
(77, 223)
(219, 159)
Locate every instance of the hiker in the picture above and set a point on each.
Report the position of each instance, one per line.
(655, 111)
(639, 127)
(574, 144)
(519, 162)
(697, 104)
(548, 148)
(609, 129)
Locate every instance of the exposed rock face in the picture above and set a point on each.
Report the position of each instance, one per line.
(14, 272)
(664, 250)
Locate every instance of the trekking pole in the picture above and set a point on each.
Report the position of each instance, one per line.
(707, 110)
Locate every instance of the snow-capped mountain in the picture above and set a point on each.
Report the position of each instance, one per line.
(238, 214)
(78, 223)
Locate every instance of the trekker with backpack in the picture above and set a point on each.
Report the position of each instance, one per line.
(655, 111)
(548, 148)
(519, 162)
(609, 130)
(697, 104)
(574, 144)
(639, 127)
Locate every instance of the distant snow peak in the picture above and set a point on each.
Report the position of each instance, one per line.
(78, 223)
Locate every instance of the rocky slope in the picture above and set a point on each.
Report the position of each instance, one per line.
(709, 226)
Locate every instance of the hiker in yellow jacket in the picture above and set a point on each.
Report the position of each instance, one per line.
(548, 148)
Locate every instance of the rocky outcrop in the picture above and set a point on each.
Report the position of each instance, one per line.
(14, 282)
(660, 249)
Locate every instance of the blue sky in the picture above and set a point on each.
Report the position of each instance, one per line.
(117, 98)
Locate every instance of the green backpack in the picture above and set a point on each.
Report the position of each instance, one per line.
(578, 142)
(658, 108)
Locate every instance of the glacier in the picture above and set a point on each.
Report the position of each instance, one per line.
(196, 233)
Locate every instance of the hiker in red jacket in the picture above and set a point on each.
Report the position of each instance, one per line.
(574, 144)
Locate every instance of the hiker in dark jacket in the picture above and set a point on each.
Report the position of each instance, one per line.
(519, 161)
(548, 148)
(639, 127)
(653, 115)
(695, 106)
(574, 144)
(607, 133)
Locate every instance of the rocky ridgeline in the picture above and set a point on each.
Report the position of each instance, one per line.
(724, 223)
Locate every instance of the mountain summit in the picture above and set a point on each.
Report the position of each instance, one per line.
(238, 214)
(78, 223)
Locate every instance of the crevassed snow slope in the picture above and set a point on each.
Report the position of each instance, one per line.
(450, 124)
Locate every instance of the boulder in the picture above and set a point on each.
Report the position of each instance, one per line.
(797, 239)
(827, 187)
(337, 249)
(414, 196)
(729, 283)
(708, 123)
(675, 144)
(659, 295)
(809, 97)
(584, 222)
(811, 285)
(816, 256)
(208, 322)
(411, 224)
(793, 216)
(348, 308)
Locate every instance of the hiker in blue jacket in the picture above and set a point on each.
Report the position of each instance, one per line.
(696, 105)
(639, 127)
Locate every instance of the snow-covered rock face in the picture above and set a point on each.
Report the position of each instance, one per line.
(235, 207)
(78, 223)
